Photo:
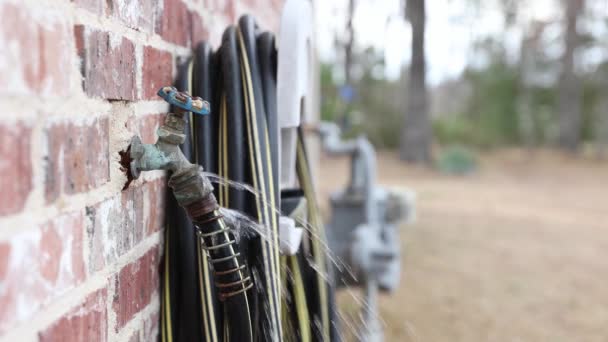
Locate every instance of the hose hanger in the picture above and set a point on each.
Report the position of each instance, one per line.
(294, 96)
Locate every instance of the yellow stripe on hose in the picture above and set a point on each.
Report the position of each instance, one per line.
(167, 288)
(300, 299)
(285, 317)
(273, 205)
(274, 294)
(220, 155)
(303, 172)
(225, 144)
(203, 270)
(202, 286)
(224, 201)
(209, 299)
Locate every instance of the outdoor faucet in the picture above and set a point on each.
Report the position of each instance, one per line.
(194, 192)
(187, 180)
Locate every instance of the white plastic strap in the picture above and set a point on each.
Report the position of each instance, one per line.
(290, 236)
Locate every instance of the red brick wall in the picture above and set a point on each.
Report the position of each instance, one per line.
(79, 256)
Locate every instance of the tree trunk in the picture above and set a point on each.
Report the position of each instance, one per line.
(569, 91)
(601, 125)
(527, 67)
(416, 132)
(344, 121)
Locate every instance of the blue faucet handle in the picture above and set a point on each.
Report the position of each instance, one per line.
(184, 101)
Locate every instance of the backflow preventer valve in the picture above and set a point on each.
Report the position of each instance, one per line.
(363, 228)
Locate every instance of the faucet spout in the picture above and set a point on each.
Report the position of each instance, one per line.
(187, 179)
(165, 154)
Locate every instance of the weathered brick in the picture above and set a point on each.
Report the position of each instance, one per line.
(95, 6)
(173, 23)
(78, 157)
(119, 223)
(157, 71)
(35, 57)
(136, 14)
(219, 6)
(198, 31)
(38, 265)
(146, 127)
(5, 252)
(107, 64)
(148, 331)
(135, 285)
(154, 195)
(112, 229)
(15, 167)
(86, 322)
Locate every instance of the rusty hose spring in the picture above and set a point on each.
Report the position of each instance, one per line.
(218, 240)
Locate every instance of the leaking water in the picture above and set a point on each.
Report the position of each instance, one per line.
(265, 232)
(244, 226)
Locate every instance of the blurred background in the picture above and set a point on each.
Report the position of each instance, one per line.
(496, 113)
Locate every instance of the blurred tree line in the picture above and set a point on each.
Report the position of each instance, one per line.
(538, 99)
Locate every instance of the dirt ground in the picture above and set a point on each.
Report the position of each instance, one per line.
(516, 252)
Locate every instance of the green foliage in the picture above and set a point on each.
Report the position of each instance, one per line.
(376, 112)
(492, 115)
(329, 94)
(458, 129)
(492, 108)
(458, 160)
(591, 97)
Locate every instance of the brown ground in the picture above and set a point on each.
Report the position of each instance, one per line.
(516, 252)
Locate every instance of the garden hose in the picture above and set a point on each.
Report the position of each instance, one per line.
(319, 290)
(204, 130)
(231, 150)
(262, 180)
(295, 312)
(181, 316)
(223, 285)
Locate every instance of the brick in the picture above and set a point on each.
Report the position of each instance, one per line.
(5, 252)
(94, 6)
(219, 6)
(86, 322)
(15, 167)
(198, 31)
(154, 195)
(148, 330)
(173, 23)
(135, 285)
(136, 14)
(157, 71)
(39, 265)
(78, 157)
(35, 57)
(107, 64)
(146, 127)
(151, 325)
(118, 224)
(112, 229)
